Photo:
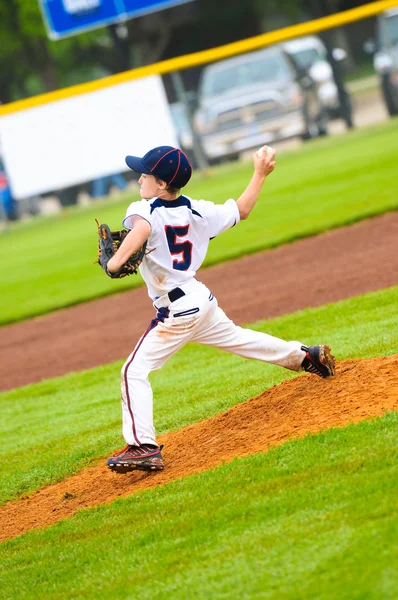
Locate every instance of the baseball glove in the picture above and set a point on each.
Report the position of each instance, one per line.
(108, 243)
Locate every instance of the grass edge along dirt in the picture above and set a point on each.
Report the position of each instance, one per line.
(329, 183)
(53, 429)
(312, 518)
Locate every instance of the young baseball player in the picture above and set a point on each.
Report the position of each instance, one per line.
(178, 230)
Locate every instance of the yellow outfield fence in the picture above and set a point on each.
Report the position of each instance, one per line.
(207, 56)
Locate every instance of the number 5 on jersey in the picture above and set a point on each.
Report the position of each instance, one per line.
(183, 248)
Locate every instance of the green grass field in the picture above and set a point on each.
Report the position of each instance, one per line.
(63, 424)
(315, 518)
(328, 183)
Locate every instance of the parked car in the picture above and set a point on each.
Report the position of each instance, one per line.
(254, 99)
(182, 126)
(97, 188)
(310, 53)
(385, 59)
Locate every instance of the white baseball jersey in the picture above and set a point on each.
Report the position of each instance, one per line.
(180, 233)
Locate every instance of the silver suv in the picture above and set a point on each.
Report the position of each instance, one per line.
(255, 99)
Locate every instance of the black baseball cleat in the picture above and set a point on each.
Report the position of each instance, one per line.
(144, 458)
(318, 360)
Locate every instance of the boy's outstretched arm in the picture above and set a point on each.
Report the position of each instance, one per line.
(264, 164)
(132, 242)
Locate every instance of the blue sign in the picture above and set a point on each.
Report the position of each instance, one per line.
(70, 17)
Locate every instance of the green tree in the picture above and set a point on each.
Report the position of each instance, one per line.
(30, 63)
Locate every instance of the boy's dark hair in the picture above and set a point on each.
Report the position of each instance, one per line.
(170, 188)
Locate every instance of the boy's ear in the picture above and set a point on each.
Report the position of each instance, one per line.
(162, 184)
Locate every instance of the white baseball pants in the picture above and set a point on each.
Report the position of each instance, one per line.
(203, 322)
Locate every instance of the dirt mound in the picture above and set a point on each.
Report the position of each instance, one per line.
(326, 268)
(362, 389)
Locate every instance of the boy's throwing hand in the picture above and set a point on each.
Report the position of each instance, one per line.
(263, 159)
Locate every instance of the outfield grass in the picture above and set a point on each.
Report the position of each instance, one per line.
(53, 429)
(315, 518)
(328, 183)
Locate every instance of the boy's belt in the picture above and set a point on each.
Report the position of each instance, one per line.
(175, 294)
(168, 298)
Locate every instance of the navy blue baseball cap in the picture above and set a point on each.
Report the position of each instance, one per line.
(166, 163)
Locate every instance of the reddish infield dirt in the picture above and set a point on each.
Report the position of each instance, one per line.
(308, 273)
(362, 389)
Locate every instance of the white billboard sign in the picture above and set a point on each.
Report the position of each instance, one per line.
(83, 137)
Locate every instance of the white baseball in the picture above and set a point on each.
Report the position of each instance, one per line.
(261, 150)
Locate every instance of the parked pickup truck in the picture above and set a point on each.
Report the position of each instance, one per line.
(254, 99)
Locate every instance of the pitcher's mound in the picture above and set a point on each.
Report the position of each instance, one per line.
(362, 389)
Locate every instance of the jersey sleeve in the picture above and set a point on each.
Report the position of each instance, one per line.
(221, 217)
(137, 209)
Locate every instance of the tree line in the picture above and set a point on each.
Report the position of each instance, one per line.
(30, 63)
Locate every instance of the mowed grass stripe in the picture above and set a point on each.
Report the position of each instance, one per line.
(54, 429)
(315, 518)
(325, 184)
